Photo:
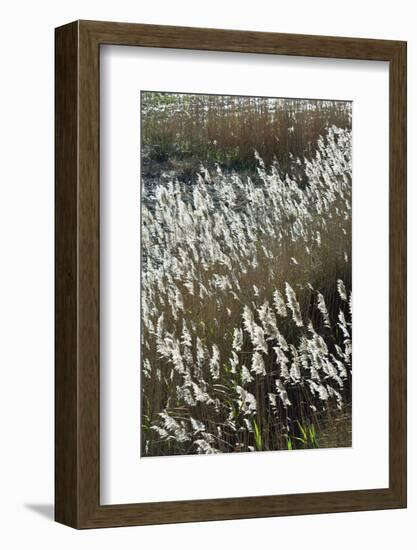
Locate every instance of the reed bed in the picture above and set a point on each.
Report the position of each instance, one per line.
(246, 307)
(227, 129)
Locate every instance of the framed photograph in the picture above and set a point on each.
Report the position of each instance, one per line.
(230, 274)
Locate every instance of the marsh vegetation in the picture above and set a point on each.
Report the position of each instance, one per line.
(246, 274)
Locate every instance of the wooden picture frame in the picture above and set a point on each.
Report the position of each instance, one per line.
(77, 382)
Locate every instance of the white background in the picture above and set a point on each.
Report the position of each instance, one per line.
(126, 478)
(26, 286)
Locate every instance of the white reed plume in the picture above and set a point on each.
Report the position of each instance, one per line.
(197, 426)
(295, 372)
(321, 304)
(246, 375)
(282, 361)
(175, 429)
(258, 365)
(319, 389)
(215, 363)
(342, 324)
(201, 351)
(282, 392)
(206, 444)
(248, 321)
(269, 321)
(186, 336)
(258, 339)
(234, 362)
(146, 368)
(293, 304)
(342, 290)
(246, 400)
(184, 394)
(200, 394)
(237, 339)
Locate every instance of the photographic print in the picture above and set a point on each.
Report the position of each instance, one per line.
(246, 274)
